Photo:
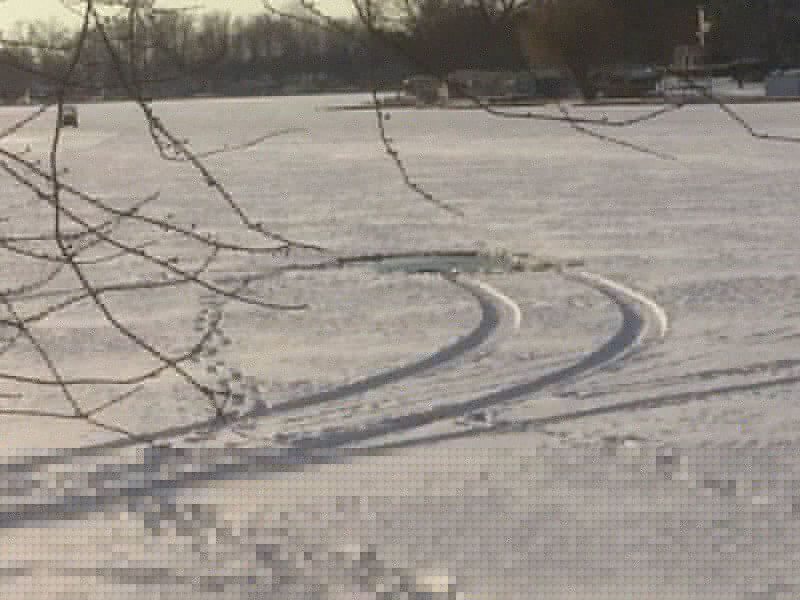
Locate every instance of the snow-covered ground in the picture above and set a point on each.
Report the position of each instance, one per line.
(626, 428)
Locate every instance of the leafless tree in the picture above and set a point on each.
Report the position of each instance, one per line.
(68, 241)
(573, 25)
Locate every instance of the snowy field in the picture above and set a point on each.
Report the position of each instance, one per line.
(626, 428)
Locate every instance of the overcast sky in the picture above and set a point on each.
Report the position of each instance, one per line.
(12, 11)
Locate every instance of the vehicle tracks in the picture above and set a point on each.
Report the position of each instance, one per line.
(643, 320)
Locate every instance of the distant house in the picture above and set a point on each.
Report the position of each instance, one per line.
(627, 81)
(688, 77)
(489, 85)
(482, 84)
(552, 83)
(685, 88)
(688, 57)
(784, 84)
(541, 82)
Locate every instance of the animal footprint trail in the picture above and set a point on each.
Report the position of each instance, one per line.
(236, 392)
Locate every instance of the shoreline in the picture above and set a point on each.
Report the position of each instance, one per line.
(618, 102)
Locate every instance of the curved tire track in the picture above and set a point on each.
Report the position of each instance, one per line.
(493, 304)
(641, 318)
(639, 315)
(656, 315)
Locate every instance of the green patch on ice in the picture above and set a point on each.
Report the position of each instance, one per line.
(497, 262)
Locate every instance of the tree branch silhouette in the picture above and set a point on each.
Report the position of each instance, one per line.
(74, 235)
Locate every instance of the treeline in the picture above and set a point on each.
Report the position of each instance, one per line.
(587, 36)
(768, 30)
(181, 53)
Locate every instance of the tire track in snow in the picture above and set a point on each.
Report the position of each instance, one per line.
(640, 314)
(656, 315)
(493, 304)
(631, 406)
(653, 317)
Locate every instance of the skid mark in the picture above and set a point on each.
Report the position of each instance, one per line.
(773, 367)
(516, 313)
(642, 320)
(656, 315)
(637, 310)
(661, 401)
(492, 304)
(519, 426)
(496, 309)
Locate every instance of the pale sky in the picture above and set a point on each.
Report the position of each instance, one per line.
(12, 11)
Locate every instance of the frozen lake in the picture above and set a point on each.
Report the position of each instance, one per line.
(515, 400)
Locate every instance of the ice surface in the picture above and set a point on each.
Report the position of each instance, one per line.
(551, 365)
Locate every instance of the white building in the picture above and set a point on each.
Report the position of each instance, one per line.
(784, 84)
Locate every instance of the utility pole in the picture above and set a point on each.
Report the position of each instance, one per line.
(775, 18)
(703, 26)
(133, 7)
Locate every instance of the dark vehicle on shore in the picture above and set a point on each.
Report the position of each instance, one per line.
(69, 116)
(627, 82)
(749, 70)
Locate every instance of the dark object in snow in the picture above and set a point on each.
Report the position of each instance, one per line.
(69, 116)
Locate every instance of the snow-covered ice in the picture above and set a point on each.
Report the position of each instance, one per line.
(513, 427)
